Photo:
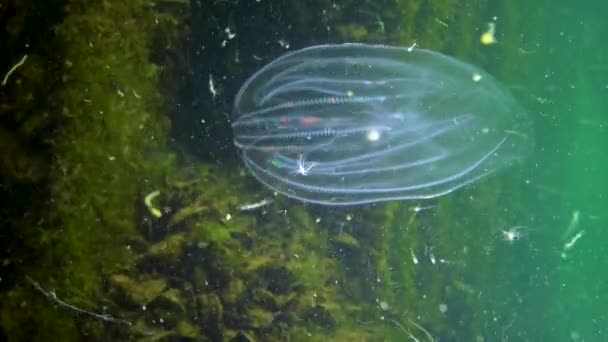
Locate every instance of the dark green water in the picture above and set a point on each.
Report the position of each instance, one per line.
(566, 80)
(572, 133)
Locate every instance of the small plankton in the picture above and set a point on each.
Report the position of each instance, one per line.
(148, 201)
(212, 89)
(514, 233)
(488, 38)
(253, 206)
(304, 166)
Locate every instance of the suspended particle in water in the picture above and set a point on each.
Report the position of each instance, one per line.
(514, 233)
(487, 37)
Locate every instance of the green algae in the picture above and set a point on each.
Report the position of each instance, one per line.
(203, 268)
(107, 129)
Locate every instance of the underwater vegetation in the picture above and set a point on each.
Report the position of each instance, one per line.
(148, 228)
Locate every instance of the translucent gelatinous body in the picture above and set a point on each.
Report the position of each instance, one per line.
(354, 123)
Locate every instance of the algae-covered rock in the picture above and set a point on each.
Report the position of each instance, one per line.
(346, 241)
(143, 329)
(352, 32)
(139, 292)
(258, 318)
(261, 296)
(278, 279)
(173, 298)
(170, 248)
(242, 336)
(187, 329)
(257, 261)
(184, 213)
(233, 292)
(208, 231)
(319, 316)
(211, 312)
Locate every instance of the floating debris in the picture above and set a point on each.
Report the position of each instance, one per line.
(53, 297)
(514, 233)
(15, 67)
(411, 47)
(488, 38)
(253, 206)
(574, 219)
(156, 212)
(212, 89)
(570, 244)
(441, 22)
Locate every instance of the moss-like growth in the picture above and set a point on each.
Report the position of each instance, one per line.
(169, 249)
(108, 149)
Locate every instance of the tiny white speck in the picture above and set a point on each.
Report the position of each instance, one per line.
(384, 305)
(373, 135)
(229, 33)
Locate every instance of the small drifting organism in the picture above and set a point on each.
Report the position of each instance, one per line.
(254, 206)
(514, 233)
(487, 37)
(294, 128)
(417, 209)
(212, 88)
(304, 166)
(570, 243)
(573, 224)
(154, 211)
(411, 47)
